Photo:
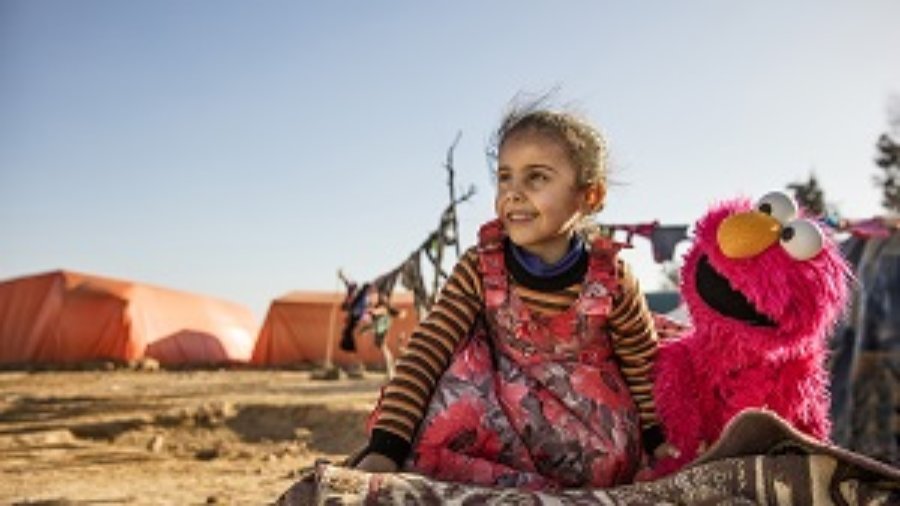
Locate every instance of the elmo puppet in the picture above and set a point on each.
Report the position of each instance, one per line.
(763, 286)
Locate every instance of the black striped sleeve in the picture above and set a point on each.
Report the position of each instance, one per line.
(429, 351)
(635, 342)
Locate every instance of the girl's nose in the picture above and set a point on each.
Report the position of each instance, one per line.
(513, 189)
(513, 195)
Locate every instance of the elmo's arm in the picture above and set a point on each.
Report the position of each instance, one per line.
(802, 399)
(676, 393)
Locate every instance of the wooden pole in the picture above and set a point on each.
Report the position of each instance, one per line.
(329, 364)
(451, 176)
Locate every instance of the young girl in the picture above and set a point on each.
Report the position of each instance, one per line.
(532, 369)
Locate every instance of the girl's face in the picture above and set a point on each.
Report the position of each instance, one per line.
(538, 200)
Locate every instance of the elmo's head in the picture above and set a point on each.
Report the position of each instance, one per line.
(762, 276)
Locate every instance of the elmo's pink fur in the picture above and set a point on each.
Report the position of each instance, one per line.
(725, 364)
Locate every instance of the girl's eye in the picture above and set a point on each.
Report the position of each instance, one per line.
(777, 205)
(537, 177)
(802, 239)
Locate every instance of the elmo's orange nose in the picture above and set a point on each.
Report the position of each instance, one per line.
(747, 234)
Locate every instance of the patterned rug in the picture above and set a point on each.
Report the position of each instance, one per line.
(759, 459)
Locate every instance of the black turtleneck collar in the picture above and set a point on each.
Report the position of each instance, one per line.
(550, 284)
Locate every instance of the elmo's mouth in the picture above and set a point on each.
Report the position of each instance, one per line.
(716, 291)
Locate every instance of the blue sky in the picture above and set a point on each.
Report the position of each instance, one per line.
(246, 149)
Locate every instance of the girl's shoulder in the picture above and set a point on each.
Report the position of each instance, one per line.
(601, 244)
(606, 251)
(469, 255)
(491, 236)
(466, 274)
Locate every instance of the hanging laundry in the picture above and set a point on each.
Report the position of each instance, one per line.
(354, 305)
(384, 284)
(411, 278)
(664, 238)
(641, 229)
(877, 227)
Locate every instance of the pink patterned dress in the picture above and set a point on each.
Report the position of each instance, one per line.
(531, 400)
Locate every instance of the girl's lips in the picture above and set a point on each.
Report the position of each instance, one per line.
(515, 217)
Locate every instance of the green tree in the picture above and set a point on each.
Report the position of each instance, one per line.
(809, 195)
(888, 159)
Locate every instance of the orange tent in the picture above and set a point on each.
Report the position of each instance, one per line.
(297, 328)
(64, 317)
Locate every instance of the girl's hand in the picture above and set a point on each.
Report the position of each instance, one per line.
(376, 463)
(647, 470)
(665, 451)
(702, 447)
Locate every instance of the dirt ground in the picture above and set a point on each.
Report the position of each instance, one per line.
(171, 437)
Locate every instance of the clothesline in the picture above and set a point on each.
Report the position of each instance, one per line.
(875, 227)
(663, 240)
(409, 272)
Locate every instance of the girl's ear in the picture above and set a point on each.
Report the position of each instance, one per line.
(595, 197)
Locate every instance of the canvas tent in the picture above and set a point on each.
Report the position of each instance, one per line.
(298, 325)
(63, 317)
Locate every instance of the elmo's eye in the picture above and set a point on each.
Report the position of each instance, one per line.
(777, 205)
(802, 239)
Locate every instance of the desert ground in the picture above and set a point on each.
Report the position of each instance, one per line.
(156, 437)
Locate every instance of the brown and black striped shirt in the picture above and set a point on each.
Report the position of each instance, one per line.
(431, 346)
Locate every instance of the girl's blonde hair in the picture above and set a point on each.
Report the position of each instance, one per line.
(583, 143)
